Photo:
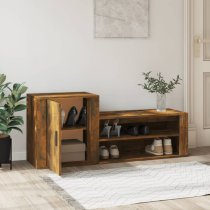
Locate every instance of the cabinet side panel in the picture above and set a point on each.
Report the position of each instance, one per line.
(93, 130)
(183, 138)
(40, 132)
(30, 131)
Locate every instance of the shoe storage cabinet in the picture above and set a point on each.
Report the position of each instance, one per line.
(170, 124)
(45, 133)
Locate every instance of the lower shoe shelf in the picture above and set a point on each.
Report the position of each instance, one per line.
(138, 156)
(123, 158)
(160, 134)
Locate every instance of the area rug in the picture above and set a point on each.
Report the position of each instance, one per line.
(103, 188)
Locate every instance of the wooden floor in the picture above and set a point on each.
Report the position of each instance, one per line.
(23, 188)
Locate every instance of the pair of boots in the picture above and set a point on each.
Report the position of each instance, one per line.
(113, 152)
(71, 118)
(160, 147)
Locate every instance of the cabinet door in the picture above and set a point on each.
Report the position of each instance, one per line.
(54, 136)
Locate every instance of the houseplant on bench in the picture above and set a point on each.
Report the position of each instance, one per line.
(11, 101)
(159, 86)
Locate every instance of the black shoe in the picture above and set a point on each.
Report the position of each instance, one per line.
(144, 129)
(136, 130)
(132, 130)
(71, 117)
(82, 120)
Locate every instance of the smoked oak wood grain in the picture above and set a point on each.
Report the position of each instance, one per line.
(54, 136)
(171, 124)
(37, 122)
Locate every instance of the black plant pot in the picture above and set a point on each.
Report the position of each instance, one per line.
(6, 150)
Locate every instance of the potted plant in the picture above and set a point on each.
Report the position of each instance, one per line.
(159, 86)
(11, 101)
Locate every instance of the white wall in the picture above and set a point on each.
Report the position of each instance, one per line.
(50, 45)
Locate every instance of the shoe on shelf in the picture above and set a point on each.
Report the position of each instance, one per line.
(71, 117)
(135, 130)
(167, 145)
(82, 117)
(114, 152)
(132, 130)
(106, 129)
(115, 129)
(144, 129)
(104, 153)
(156, 148)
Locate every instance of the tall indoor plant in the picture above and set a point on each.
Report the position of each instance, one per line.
(159, 86)
(11, 101)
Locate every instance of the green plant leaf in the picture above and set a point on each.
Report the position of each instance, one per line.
(20, 107)
(17, 118)
(3, 86)
(15, 95)
(3, 127)
(11, 100)
(16, 86)
(15, 128)
(14, 122)
(3, 119)
(21, 98)
(22, 89)
(2, 111)
(10, 103)
(8, 109)
(2, 95)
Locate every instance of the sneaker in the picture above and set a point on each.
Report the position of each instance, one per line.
(104, 153)
(114, 152)
(168, 150)
(156, 148)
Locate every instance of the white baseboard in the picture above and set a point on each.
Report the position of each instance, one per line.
(18, 156)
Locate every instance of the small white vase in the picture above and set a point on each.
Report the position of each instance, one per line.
(161, 102)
